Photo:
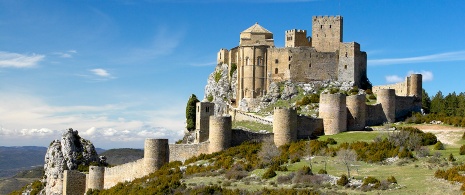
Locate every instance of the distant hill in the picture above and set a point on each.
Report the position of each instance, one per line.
(7, 185)
(15, 159)
(122, 155)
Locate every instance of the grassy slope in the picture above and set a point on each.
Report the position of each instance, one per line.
(414, 177)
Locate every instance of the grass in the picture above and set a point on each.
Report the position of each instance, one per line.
(252, 126)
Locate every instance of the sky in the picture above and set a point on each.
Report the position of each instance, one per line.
(121, 71)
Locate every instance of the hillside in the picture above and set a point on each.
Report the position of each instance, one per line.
(122, 155)
(21, 179)
(14, 159)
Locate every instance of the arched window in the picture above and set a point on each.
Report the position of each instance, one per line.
(289, 66)
(276, 70)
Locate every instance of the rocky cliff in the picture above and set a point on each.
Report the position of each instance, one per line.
(70, 153)
(219, 89)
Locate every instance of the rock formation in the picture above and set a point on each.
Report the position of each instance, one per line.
(69, 153)
(220, 89)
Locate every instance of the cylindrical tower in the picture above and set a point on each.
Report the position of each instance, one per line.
(387, 99)
(156, 154)
(356, 112)
(220, 133)
(415, 87)
(333, 111)
(284, 125)
(96, 177)
(249, 72)
(259, 66)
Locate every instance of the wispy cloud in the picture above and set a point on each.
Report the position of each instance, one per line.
(440, 57)
(204, 64)
(66, 54)
(426, 76)
(16, 60)
(100, 72)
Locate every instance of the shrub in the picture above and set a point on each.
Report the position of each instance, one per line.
(331, 141)
(315, 98)
(285, 178)
(304, 101)
(233, 69)
(392, 179)
(210, 97)
(236, 175)
(343, 180)
(423, 151)
(439, 146)
(333, 90)
(368, 91)
(270, 173)
(371, 180)
(218, 75)
(372, 97)
(305, 171)
(322, 171)
(428, 139)
(462, 150)
(451, 158)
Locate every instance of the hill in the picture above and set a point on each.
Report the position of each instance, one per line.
(14, 159)
(122, 155)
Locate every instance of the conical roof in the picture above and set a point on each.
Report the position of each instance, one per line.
(256, 28)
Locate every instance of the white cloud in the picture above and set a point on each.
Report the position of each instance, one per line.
(27, 120)
(440, 57)
(100, 72)
(393, 79)
(426, 76)
(16, 60)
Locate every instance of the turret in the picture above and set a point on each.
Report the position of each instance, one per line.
(96, 177)
(356, 112)
(326, 33)
(387, 99)
(220, 133)
(284, 125)
(156, 154)
(334, 113)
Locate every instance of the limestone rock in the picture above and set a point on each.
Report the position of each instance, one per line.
(290, 89)
(66, 154)
(219, 87)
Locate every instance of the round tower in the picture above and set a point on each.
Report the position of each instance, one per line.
(284, 125)
(415, 87)
(356, 112)
(96, 177)
(156, 154)
(387, 99)
(333, 111)
(220, 133)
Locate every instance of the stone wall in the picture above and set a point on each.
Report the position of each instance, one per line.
(327, 32)
(308, 127)
(74, 182)
(124, 172)
(181, 152)
(240, 136)
(238, 115)
(407, 105)
(374, 115)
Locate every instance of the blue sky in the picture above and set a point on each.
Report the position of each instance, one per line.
(120, 71)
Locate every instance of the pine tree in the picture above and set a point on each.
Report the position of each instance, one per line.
(425, 101)
(190, 112)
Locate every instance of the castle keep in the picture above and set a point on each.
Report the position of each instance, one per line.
(322, 57)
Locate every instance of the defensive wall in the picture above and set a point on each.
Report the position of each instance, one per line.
(411, 86)
(238, 115)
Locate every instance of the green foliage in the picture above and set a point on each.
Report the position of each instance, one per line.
(392, 179)
(331, 141)
(343, 180)
(463, 136)
(269, 173)
(313, 98)
(368, 91)
(322, 171)
(210, 97)
(306, 170)
(371, 180)
(462, 150)
(354, 91)
(218, 76)
(372, 97)
(451, 158)
(438, 146)
(425, 101)
(233, 69)
(333, 90)
(190, 112)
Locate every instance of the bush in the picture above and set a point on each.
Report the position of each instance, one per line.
(462, 150)
(372, 97)
(392, 179)
(331, 141)
(233, 69)
(423, 151)
(343, 181)
(428, 139)
(218, 76)
(190, 112)
(439, 146)
(236, 175)
(322, 171)
(371, 180)
(305, 171)
(368, 91)
(285, 178)
(210, 98)
(451, 158)
(270, 173)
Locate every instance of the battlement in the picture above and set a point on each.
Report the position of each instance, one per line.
(327, 18)
(296, 31)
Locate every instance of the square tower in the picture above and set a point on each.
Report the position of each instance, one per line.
(203, 112)
(297, 38)
(326, 33)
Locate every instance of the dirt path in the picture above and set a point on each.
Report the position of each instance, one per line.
(446, 134)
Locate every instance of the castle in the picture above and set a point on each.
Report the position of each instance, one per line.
(259, 63)
(321, 57)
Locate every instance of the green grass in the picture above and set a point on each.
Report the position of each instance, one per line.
(352, 136)
(252, 126)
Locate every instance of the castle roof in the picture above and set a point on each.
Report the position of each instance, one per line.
(256, 28)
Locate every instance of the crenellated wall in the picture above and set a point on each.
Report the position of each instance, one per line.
(181, 152)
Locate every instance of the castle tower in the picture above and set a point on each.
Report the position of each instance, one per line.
(416, 85)
(203, 112)
(223, 56)
(156, 154)
(220, 133)
(334, 113)
(284, 125)
(296, 38)
(96, 177)
(326, 33)
(356, 112)
(387, 99)
(74, 182)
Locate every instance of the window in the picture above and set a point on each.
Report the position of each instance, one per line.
(330, 26)
(321, 26)
(345, 67)
(276, 71)
(346, 54)
(258, 61)
(310, 65)
(207, 109)
(198, 109)
(275, 61)
(289, 66)
(220, 56)
(290, 58)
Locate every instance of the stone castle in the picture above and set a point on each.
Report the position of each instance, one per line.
(304, 59)
(321, 57)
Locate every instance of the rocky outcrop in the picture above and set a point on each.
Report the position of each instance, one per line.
(219, 89)
(69, 153)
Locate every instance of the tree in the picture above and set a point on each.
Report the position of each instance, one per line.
(437, 103)
(425, 101)
(268, 152)
(347, 157)
(190, 112)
